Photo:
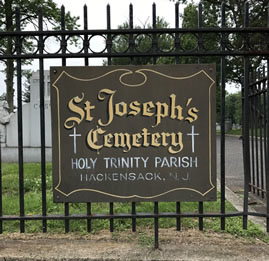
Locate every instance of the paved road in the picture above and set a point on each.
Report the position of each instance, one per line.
(233, 163)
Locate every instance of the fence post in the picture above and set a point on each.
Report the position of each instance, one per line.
(42, 121)
(177, 46)
(222, 146)
(1, 199)
(267, 137)
(246, 153)
(20, 126)
(200, 42)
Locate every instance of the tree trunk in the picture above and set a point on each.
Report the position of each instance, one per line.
(10, 68)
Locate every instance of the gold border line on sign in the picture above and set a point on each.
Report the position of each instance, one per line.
(133, 196)
(140, 71)
(127, 71)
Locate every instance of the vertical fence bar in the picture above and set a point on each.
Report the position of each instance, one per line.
(222, 143)
(42, 124)
(109, 49)
(251, 144)
(267, 137)
(201, 205)
(156, 204)
(256, 120)
(252, 128)
(131, 46)
(260, 136)
(131, 37)
(86, 40)
(109, 39)
(20, 126)
(178, 211)
(177, 46)
(264, 127)
(156, 225)
(63, 46)
(1, 191)
(154, 36)
(200, 25)
(89, 213)
(133, 219)
(111, 212)
(86, 62)
(246, 125)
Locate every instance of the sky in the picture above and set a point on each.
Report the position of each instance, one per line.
(119, 11)
(142, 14)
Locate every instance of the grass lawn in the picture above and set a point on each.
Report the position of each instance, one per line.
(32, 188)
(252, 132)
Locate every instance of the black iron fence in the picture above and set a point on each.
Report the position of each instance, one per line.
(258, 95)
(229, 43)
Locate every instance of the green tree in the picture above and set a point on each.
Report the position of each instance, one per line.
(234, 108)
(29, 10)
(142, 43)
(190, 42)
(211, 16)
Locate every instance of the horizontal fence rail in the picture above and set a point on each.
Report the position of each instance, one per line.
(254, 93)
(225, 47)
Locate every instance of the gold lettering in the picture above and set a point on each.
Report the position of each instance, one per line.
(145, 137)
(164, 136)
(136, 140)
(135, 108)
(109, 105)
(122, 140)
(123, 111)
(175, 143)
(174, 108)
(154, 139)
(162, 111)
(107, 140)
(147, 108)
(88, 109)
(92, 138)
(97, 139)
(192, 112)
(76, 109)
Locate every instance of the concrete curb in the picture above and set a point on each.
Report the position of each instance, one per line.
(238, 203)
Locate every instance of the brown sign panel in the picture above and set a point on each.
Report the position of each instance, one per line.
(134, 133)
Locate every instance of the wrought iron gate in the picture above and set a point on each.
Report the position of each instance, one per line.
(255, 116)
(258, 133)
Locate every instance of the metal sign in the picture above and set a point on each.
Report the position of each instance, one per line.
(134, 133)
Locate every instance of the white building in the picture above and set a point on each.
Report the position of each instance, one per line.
(31, 125)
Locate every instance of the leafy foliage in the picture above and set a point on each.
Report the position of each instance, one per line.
(234, 108)
(29, 13)
(142, 43)
(234, 17)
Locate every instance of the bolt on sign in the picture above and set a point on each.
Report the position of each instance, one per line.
(134, 133)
